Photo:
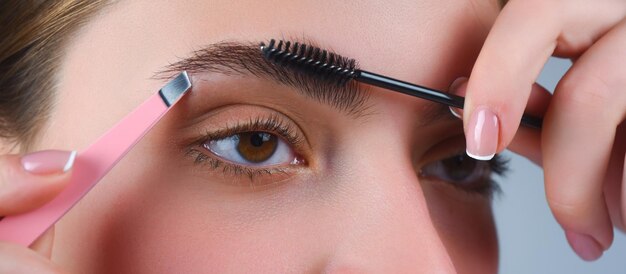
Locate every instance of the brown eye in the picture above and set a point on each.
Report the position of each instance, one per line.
(460, 170)
(254, 148)
(257, 147)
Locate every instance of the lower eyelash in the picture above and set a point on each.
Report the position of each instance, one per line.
(229, 168)
(492, 189)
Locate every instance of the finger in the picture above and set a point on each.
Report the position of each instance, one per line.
(30, 181)
(578, 134)
(538, 101)
(613, 187)
(17, 259)
(500, 83)
(43, 244)
(527, 141)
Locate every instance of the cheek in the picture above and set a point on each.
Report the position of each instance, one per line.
(154, 212)
(466, 226)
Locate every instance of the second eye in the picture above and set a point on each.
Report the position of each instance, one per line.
(255, 148)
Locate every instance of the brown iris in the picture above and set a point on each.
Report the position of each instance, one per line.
(256, 147)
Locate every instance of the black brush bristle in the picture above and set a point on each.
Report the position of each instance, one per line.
(310, 59)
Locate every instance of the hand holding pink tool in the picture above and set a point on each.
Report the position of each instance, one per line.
(95, 162)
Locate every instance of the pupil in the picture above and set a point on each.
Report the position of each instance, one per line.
(257, 139)
(257, 147)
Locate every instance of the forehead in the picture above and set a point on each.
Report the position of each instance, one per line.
(393, 36)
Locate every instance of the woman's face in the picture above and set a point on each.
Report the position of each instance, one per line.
(250, 175)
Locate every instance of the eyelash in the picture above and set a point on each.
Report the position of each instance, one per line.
(275, 124)
(272, 124)
(498, 165)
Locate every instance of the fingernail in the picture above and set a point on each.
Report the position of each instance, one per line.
(458, 87)
(456, 112)
(48, 161)
(482, 134)
(584, 245)
(456, 84)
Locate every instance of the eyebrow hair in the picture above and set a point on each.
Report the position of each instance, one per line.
(245, 58)
(241, 58)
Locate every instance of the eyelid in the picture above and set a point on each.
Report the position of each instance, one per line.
(271, 123)
(445, 148)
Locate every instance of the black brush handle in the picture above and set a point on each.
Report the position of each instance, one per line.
(426, 93)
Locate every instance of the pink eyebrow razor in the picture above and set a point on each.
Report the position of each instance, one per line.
(95, 162)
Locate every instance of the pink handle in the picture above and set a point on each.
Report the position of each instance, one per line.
(90, 166)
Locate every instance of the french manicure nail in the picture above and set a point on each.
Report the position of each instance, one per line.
(456, 84)
(482, 134)
(454, 88)
(584, 245)
(48, 161)
(456, 112)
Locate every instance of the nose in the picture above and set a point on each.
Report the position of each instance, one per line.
(384, 223)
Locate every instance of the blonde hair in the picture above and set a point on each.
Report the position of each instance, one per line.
(33, 34)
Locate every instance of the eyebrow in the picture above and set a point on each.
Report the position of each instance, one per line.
(245, 58)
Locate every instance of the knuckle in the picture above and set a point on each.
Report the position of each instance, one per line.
(582, 92)
(567, 208)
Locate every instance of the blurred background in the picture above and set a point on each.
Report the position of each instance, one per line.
(531, 241)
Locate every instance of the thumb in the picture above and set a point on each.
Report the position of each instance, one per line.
(30, 181)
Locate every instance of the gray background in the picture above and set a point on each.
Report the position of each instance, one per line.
(530, 239)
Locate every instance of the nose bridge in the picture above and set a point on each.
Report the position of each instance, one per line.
(387, 224)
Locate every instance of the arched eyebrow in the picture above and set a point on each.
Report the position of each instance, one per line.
(245, 58)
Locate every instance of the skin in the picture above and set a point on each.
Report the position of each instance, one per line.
(341, 214)
(344, 211)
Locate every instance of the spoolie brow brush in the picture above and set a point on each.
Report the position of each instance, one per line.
(322, 63)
